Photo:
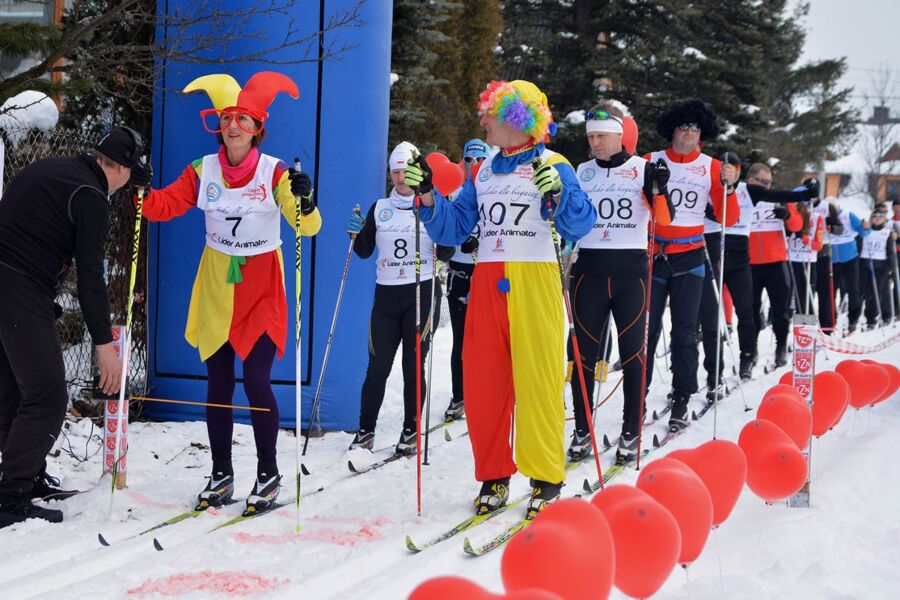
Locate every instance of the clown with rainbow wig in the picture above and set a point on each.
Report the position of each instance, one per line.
(514, 353)
(238, 303)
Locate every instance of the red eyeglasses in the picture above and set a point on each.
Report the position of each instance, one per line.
(217, 121)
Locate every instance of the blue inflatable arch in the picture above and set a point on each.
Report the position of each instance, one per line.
(339, 129)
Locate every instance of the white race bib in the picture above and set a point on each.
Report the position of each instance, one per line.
(395, 239)
(800, 252)
(848, 235)
(689, 186)
(742, 227)
(875, 244)
(241, 221)
(510, 216)
(764, 218)
(618, 196)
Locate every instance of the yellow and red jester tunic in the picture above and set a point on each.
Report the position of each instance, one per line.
(238, 293)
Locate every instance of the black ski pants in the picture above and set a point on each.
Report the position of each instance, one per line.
(773, 278)
(878, 271)
(594, 299)
(846, 279)
(825, 292)
(740, 284)
(458, 279)
(678, 278)
(803, 286)
(393, 322)
(33, 394)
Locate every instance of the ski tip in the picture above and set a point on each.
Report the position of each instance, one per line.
(102, 540)
(655, 415)
(157, 545)
(606, 441)
(655, 441)
(468, 549)
(351, 467)
(411, 546)
(304, 470)
(694, 416)
(447, 436)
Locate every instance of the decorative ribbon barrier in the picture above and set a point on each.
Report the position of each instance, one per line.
(845, 347)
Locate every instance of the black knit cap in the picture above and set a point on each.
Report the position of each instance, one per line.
(691, 110)
(123, 145)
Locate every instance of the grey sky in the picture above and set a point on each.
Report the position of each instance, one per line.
(867, 32)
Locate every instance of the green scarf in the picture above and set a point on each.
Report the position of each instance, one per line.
(234, 269)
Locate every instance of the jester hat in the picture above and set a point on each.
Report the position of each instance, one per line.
(254, 98)
(521, 105)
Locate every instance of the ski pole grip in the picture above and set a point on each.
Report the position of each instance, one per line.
(548, 197)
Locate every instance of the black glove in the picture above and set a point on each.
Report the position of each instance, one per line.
(661, 175)
(470, 245)
(301, 187)
(780, 212)
(812, 187)
(141, 174)
(709, 212)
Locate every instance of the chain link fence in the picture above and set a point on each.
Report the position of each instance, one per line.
(25, 146)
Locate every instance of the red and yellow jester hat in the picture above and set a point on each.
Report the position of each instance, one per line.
(254, 99)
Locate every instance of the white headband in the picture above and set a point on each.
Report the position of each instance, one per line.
(610, 125)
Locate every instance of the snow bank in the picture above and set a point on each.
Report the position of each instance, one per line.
(25, 111)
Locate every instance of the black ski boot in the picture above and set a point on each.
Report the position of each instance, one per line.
(46, 487)
(542, 494)
(748, 361)
(456, 411)
(780, 355)
(711, 391)
(627, 448)
(493, 495)
(265, 491)
(218, 491)
(407, 443)
(581, 447)
(851, 327)
(22, 509)
(678, 419)
(363, 439)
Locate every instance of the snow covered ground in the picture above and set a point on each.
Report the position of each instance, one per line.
(352, 544)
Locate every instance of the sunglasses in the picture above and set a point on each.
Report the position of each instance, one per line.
(689, 127)
(469, 159)
(600, 115)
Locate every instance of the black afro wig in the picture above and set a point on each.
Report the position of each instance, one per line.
(692, 110)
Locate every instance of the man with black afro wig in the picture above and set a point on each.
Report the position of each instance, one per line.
(691, 110)
(697, 181)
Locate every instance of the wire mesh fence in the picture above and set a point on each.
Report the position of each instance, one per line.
(23, 147)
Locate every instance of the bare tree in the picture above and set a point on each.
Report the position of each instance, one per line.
(880, 133)
(110, 47)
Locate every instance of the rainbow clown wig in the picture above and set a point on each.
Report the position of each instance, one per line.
(519, 104)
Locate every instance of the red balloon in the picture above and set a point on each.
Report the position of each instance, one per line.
(568, 550)
(894, 374)
(783, 389)
(629, 134)
(777, 472)
(759, 435)
(885, 378)
(647, 539)
(831, 396)
(787, 378)
(722, 466)
(447, 176)
(790, 414)
(450, 588)
(679, 489)
(867, 382)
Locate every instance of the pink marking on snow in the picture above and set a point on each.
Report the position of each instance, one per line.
(146, 501)
(379, 522)
(337, 537)
(234, 584)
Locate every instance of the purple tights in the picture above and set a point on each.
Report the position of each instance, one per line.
(258, 387)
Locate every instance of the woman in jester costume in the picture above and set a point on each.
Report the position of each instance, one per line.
(514, 349)
(238, 303)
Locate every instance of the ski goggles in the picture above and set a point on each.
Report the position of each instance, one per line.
(248, 121)
(600, 121)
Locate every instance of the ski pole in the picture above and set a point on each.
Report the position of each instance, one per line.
(431, 328)
(548, 202)
(720, 313)
(651, 255)
(298, 398)
(876, 292)
(126, 341)
(418, 287)
(337, 307)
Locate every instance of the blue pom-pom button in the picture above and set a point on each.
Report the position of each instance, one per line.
(503, 285)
